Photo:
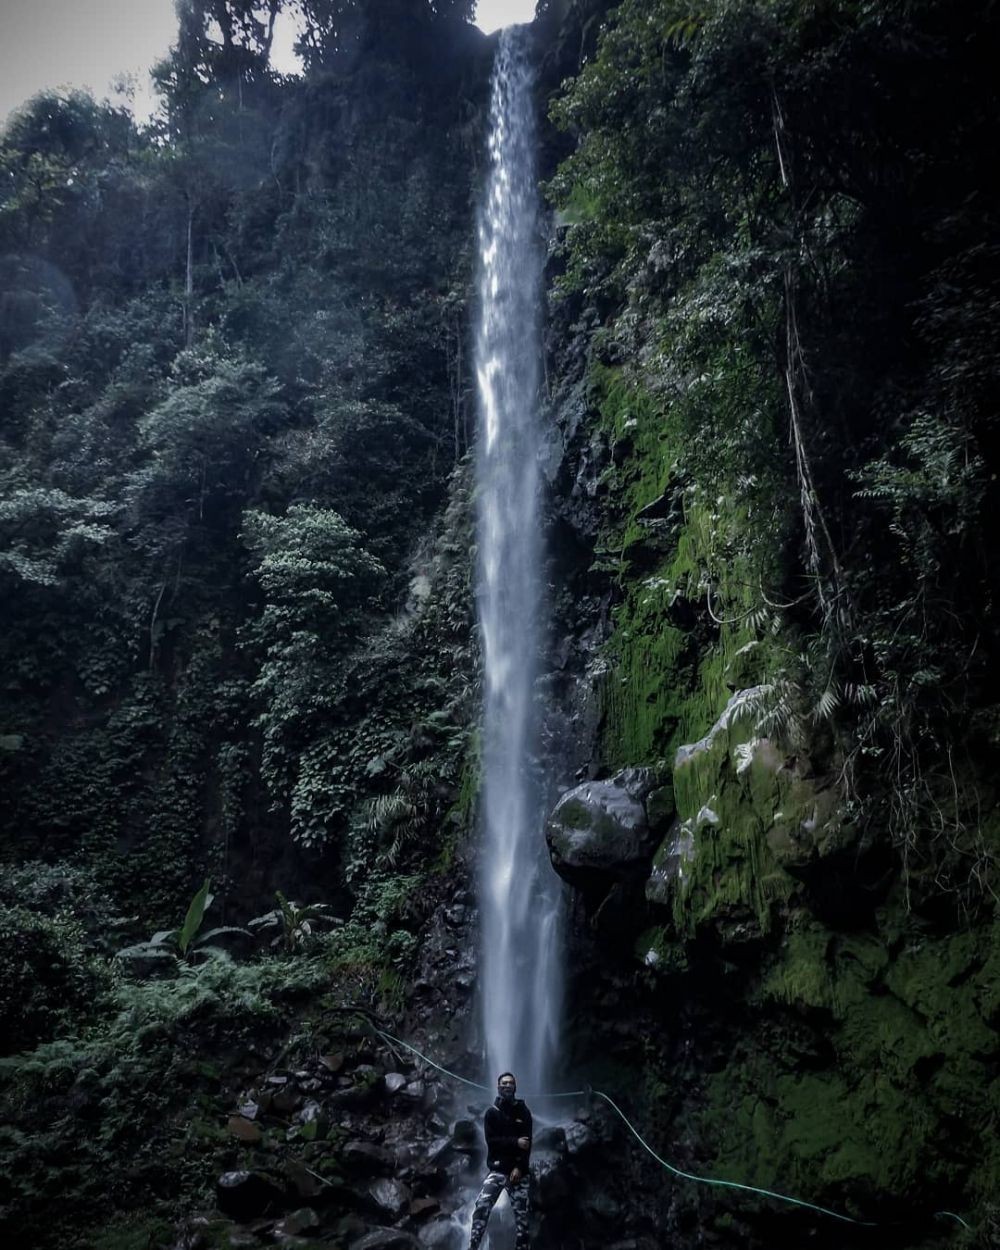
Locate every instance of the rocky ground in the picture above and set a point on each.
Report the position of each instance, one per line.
(367, 1148)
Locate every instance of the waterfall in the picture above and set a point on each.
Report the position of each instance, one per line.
(518, 892)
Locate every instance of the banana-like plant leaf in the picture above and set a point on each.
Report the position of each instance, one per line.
(223, 931)
(268, 921)
(195, 914)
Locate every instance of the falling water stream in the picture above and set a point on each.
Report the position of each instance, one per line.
(519, 893)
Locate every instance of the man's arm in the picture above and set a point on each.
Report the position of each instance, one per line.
(526, 1134)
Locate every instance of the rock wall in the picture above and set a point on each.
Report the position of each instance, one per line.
(748, 971)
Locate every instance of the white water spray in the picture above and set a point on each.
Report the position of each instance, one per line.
(519, 893)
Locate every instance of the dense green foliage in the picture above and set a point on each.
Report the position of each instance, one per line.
(774, 219)
(782, 204)
(233, 394)
(235, 535)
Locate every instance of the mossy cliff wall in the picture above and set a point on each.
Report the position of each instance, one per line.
(779, 478)
(798, 1023)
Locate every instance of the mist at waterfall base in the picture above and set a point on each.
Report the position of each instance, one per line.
(520, 969)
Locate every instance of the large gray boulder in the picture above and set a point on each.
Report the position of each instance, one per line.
(605, 831)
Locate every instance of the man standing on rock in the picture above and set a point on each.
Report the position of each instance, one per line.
(507, 1125)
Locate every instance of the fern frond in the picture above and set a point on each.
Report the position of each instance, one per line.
(828, 703)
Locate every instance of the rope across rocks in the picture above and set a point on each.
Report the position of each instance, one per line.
(688, 1176)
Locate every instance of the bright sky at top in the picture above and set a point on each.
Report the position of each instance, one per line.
(87, 43)
(492, 14)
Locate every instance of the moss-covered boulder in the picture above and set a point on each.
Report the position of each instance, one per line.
(755, 824)
(607, 831)
(670, 863)
(864, 1062)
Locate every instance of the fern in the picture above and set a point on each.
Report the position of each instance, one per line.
(828, 703)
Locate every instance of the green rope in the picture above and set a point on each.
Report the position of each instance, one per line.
(705, 1180)
(688, 1176)
(954, 1217)
(454, 1075)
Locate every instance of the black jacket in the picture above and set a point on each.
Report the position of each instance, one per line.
(504, 1123)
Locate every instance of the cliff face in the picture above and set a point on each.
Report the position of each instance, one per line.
(241, 645)
(792, 966)
(757, 973)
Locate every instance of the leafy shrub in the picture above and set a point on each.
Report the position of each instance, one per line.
(47, 978)
(292, 924)
(166, 949)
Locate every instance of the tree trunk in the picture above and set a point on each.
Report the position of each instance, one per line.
(189, 280)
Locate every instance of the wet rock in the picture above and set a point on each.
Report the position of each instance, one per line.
(436, 1150)
(301, 1182)
(551, 1138)
(441, 1235)
(366, 1156)
(414, 1092)
(394, 1082)
(600, 830)
(603, 1208)
(247, 1195)
(421, 1208)
(809, 823)
(465, 1135)
(353, 1098)
(240, 1239)
(579, 1137)
(390, 1196)
(661, 807)
(245, 1130)
(737, 707)
(746, 797)
(460, 1168)
(670, 863)
(552, 1185)
(429, 1179)
(386, 1239)
(195, 1233)
(286, 1101)
(312, 1114)
(297, 1222)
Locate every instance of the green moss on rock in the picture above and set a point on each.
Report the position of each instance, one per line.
(907, 1078)
(861, 1065)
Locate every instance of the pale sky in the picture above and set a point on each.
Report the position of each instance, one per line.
(86, 43)
(492, 14)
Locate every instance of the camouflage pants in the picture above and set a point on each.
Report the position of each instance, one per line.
(493, 1187)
